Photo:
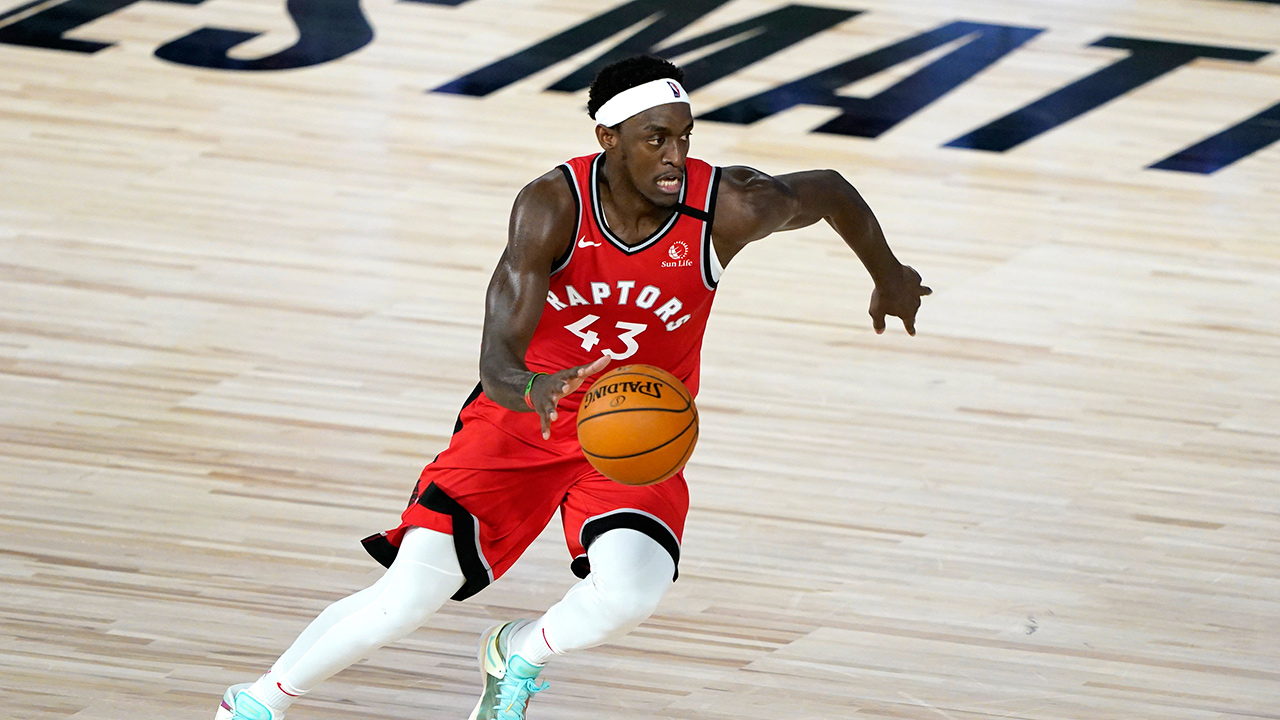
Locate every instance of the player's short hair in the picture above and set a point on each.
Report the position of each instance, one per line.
(626, 74)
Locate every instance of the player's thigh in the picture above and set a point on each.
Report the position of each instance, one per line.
(595, 505)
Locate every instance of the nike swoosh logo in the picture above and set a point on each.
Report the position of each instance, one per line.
(583, 242)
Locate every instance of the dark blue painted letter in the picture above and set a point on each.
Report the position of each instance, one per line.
(760, 37)
(1148, 60)
(869, 117)
(46, 28)
(1234, 143)
(327, 30)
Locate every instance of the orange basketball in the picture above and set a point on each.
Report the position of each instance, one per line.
(638, 425)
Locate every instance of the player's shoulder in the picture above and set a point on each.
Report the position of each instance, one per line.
(549, 188)
(748, 185)
(548, 197)
(748, 190)
(750, 205)
(741, 174)
(544, 213)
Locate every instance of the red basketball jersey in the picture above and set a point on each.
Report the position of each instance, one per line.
(644, 303)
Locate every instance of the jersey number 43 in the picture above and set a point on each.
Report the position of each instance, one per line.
(590, 338)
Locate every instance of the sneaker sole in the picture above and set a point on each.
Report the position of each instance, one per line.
(482, 655)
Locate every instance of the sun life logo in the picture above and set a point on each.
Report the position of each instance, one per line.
(679, 253)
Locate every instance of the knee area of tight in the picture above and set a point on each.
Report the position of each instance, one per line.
(632, 600)
(402, 616)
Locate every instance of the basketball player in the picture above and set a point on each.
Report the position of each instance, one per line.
(611, 259)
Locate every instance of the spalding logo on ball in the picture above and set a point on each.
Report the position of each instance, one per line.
(638, 425)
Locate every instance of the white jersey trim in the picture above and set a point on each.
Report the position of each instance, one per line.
(711, 267)
(598, 211)
(475, 523)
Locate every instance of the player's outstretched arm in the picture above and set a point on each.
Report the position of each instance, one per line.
(754, 205)
(540, 231)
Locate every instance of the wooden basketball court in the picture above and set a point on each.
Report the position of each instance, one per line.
(243, 253)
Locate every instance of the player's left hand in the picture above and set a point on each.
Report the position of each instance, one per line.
(899, 297)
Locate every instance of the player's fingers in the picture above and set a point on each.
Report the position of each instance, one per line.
(910, 324)
(877, 321)
(590, 368)
(546, 425)
(925, 290)
(579, 375)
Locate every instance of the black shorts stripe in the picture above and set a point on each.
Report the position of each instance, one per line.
(457, 426)
(474, 569)
(380, 549)
(630, 520)
(465, 541)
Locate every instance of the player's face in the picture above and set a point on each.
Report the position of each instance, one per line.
(653, 147)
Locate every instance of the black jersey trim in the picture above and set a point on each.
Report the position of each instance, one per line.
(708, 245)
(598, 211)
(693, 212)
(563, 261)
(631, 519)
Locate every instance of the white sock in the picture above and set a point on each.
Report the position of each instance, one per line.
(273, 692)
(530, 643)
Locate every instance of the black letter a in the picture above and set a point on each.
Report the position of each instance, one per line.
(869, 117)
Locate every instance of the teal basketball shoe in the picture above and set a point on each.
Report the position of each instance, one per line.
(509, 680)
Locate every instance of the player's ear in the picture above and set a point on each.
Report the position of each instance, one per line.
(607, 137)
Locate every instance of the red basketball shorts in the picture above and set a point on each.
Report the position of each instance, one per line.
(498, 484)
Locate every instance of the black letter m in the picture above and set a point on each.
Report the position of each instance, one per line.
(757, 38)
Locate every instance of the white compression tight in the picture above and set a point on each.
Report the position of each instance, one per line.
(630, 574)
(424, 575)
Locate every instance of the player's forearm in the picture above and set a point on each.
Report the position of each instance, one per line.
(857, 225)
(513, 306)
(504, 376)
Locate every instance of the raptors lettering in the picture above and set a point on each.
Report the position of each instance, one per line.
(647, 298)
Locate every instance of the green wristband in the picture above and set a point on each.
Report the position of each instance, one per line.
(529, 388)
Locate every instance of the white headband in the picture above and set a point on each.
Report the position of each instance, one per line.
(629, 103)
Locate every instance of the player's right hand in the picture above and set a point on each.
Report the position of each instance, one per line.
(549, 390)
(899, 297)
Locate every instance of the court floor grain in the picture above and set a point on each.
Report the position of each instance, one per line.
(241, 299)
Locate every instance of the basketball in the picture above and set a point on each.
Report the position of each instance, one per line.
(638, 425)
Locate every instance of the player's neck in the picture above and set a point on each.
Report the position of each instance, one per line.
(628, 214)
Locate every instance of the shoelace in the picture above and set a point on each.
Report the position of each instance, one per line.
(513, 696)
